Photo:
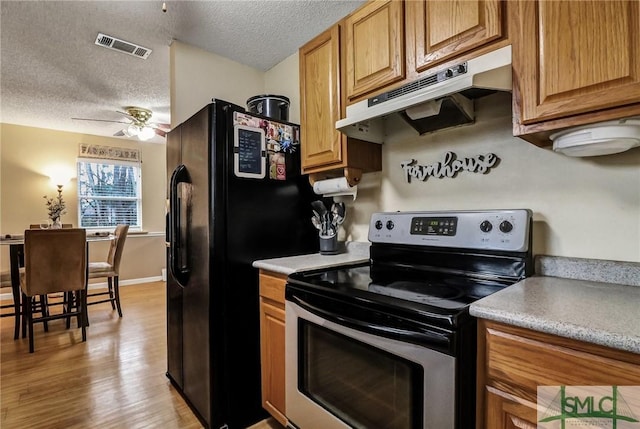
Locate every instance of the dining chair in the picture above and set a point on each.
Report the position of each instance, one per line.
(111, 270)
(55, 260)
(42, 304)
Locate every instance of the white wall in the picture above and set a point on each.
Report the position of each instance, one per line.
(583, 207)
(197, 76)
(283, 79)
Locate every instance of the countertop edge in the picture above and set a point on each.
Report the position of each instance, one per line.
(562, 329)
(582, 310)
(355, 252)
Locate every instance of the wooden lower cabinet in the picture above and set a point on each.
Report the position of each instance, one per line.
(513, 362)
(272, 343)
(508, 413)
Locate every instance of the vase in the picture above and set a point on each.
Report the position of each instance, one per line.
(57, 224)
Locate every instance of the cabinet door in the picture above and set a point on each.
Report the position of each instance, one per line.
(575, 57)
(503, 413)
(272, 337)
(445, 29)
(374, 46)
(321, 143)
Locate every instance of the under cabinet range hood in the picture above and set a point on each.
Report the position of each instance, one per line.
(439, 100)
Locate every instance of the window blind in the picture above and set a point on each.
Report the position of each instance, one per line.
(109, 193)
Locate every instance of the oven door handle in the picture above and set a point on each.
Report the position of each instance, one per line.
(438, 340)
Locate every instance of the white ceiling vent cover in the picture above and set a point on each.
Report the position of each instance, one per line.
(122, 46)
(604, 138)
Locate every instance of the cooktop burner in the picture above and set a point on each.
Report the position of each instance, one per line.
(445, 292)
(423, 293)
(430, 264)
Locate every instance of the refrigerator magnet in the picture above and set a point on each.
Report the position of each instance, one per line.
(249, 152)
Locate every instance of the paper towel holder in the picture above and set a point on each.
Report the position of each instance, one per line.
(353, 175)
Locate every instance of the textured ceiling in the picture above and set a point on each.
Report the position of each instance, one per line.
(51, 70)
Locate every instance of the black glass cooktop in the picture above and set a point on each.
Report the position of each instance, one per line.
(429, 291)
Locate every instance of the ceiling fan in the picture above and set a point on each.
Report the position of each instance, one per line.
(138, 124)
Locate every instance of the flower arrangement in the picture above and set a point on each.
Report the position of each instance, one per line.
(56, 207)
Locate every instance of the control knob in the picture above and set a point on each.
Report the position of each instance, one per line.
(486, 226)
(390, 225)
(506, 226)
(378, 224)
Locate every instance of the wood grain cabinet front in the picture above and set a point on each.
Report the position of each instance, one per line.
(323, 148)
(320, 101)
(513, 362)
(574, 63)
(374, 47)
(439, 31)
(272, 343)
(509, 412)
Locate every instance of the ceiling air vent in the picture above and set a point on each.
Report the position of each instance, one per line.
(122, 46)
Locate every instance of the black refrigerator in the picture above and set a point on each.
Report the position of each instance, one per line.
(235, 195)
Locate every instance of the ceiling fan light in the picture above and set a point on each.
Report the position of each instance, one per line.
(132, 130)
(146, 133)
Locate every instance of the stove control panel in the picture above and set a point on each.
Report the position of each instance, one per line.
(506, 230)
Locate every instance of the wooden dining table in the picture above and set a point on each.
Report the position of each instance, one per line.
(16, 261)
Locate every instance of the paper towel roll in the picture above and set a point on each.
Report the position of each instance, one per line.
(335, 187)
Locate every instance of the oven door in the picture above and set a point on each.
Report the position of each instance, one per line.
(348, 366)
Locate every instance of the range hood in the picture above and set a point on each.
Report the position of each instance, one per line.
(439, 100)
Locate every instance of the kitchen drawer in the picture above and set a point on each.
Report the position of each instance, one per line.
(519, 360)
(272, 285)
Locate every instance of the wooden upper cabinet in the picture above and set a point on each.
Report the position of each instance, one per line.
(374, 47)
(445, 29)
(572, 57)
(320, 100)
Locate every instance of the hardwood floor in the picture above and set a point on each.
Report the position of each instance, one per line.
(116, 379)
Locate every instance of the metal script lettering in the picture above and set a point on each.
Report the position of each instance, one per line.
(449, 166)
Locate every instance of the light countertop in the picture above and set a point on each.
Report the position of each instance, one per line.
(595, 312)
(585, 310)
(354, 252)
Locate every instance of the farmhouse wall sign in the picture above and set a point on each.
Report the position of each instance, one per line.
(449, 166)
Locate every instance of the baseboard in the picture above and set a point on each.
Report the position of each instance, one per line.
(127, 282)
(103, 285)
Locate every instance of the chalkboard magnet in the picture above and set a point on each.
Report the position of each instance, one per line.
(249, 152)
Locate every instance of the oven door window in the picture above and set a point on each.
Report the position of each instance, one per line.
(362, 385)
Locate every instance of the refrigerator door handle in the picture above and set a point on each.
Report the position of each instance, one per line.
(178, 214)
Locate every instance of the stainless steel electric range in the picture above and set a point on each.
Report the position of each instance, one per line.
(390, 343)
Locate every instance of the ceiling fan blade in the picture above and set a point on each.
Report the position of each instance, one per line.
(160, 132)
(99, 120)
(159, 126)
(128, 116)
(119, 134)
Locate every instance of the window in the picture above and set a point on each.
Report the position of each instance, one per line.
(109, 193)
